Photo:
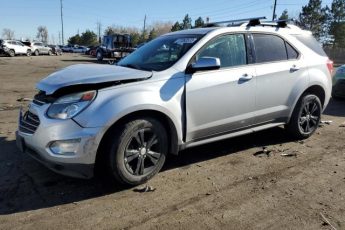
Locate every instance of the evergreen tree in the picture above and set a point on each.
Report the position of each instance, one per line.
(337, 25)
(284, 15)
(176, 27)
(186, 23)
(199, 22)
(314, 17)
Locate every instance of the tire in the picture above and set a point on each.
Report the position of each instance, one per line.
(11, 53)
(137, 151)
(50, 52)
(28, 53)
(99, 56)
(36, 53)
(306, 117)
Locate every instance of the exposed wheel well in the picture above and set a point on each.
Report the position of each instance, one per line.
(318, 91)
(165, 120)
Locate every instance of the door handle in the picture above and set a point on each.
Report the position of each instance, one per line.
(294, 68)
(246, 77)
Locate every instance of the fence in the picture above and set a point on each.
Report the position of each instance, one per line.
(336, 54)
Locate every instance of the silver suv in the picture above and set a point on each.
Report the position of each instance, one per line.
(38, 48)
(180, 90)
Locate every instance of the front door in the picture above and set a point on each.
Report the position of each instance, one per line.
(221, 101)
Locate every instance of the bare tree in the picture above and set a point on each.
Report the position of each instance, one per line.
(8, 34)
(42, 34)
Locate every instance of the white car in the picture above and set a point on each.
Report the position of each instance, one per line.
(38, 48)
(12, 48)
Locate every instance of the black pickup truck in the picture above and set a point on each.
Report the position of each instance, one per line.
(114, 47)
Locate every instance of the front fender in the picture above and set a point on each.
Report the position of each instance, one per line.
(114, 103)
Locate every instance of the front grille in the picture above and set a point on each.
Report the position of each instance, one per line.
(29, 123)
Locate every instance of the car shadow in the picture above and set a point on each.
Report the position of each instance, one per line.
(27, 185)
(336, 107)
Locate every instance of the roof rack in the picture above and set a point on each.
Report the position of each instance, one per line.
(282, 23)
(251, 22)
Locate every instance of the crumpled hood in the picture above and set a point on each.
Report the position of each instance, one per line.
(89, 74)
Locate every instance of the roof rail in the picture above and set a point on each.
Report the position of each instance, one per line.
(281, 23)
(251, 22)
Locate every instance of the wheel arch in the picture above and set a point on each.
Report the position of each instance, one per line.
(317, 90)
(163, 118)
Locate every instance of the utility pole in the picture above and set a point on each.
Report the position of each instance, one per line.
(99, 28)
(144, 27)
(62, 37)
(274, 10)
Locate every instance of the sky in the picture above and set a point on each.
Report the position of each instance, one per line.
(24, 16)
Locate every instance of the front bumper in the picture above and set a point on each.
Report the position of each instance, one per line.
(37, 144)
(338, 89)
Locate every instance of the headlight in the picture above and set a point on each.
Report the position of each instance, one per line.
(70, 105)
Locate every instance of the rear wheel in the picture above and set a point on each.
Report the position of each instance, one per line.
(11, 53)
(305, 117)
(50, 53)
(28, 53)
(137, 151)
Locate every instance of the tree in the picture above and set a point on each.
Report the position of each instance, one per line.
(176, 27)
(42, 34)
(313, 17)
(7, 34)
(337, 24)
(284, 15)
(88, 38)
(74, 39)
(187, 22)
(199, 22)
(152, 34)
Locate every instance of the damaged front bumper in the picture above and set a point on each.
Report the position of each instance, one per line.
(61, 145)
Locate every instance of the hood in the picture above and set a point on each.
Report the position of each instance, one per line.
(89, 75)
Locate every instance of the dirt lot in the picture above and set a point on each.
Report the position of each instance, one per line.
(228, 184)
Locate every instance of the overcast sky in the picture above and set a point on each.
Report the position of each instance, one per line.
(25, 16)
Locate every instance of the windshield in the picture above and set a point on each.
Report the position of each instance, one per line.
(160, 53)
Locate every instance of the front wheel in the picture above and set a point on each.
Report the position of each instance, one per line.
(99, 56)
(28, 53)
(36, 53)
(137, 151)
(305, 117)
(11, 53)
(50, 53)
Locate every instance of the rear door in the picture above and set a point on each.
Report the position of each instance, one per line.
(279, 69)
(221, 101)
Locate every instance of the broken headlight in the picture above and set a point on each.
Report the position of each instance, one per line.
(70, 105)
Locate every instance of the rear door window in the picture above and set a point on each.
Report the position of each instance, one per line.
(269, 48)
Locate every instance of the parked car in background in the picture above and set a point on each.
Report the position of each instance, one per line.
(38, 48)
(13, 47)
(56, 49)
(338, 89)
(67, 48)
(79, 49)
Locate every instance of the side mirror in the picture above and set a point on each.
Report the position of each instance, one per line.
(204, 63)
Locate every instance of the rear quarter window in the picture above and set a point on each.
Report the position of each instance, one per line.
(309, 41)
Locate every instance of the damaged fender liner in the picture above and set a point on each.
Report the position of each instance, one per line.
(42, 97)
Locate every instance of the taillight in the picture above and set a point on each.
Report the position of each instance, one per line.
(330, 66)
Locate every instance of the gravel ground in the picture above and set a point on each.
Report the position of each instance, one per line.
(232, 184)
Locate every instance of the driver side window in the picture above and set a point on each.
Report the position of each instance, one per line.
(230, 49)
